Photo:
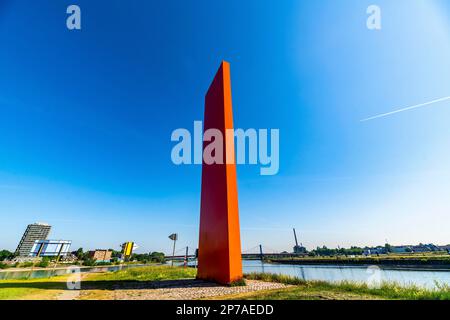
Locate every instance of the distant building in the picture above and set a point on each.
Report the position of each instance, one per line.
(36, 231)
(401, 249)
(415, 249)
(300, 250)
(425, 248)
(101, 255)
(50, 248)
(375, 250)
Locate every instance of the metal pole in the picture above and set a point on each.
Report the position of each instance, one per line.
(295, 236)
(173, 254)
(261, 252)
(186, 257)
(59, 255)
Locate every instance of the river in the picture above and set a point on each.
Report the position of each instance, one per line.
(371, 275)
(332, 273)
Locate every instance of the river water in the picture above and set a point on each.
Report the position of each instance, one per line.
(372, 275)
(332, 273)
(46, 273)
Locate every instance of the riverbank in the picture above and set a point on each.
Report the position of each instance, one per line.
(163, 282)
(36, 272)
(387, 262)
(66, 267)
(317, 290)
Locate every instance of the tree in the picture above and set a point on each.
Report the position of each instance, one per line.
(157, 257)
(88, 261)
(115, 253)
(44, 262)
(388, 247)
(79, 253)
(5, 254)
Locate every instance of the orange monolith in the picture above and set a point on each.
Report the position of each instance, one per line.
(219, 254)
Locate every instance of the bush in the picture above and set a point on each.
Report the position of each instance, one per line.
(44, 263)
(3, 266)
(88, 262)
(157, 257)
(5, 254)
(238, 283)
(26, 264)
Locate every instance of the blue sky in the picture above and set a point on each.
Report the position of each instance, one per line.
(86, 118)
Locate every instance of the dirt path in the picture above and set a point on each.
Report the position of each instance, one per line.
(175, 290)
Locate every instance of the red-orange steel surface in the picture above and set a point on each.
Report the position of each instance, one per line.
(219, 255)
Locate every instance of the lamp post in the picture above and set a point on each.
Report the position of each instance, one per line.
(174, 238)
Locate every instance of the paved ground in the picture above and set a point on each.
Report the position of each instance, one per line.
(172, 290)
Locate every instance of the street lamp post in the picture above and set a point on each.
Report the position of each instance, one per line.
(174, 238)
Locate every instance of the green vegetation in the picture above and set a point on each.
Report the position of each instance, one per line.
(153, 273)
(44, 288)
(26, 265)
(314, 289)
(430, 259)
(102, 286)
(44, 263)
(5, 254)
(154, 257)
(87, 262)
(324, 251)
(238, 283)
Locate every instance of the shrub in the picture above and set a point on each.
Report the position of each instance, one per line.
(88, 262)
(44, 263)
(157, 257)
(238, 283)
(26, 264)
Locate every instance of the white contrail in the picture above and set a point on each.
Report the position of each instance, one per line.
(405, 109)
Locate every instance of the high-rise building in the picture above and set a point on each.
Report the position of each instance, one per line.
(35, 231)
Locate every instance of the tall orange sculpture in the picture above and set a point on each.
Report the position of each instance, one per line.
(219, 254)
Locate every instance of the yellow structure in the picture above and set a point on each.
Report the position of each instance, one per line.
(127, 249)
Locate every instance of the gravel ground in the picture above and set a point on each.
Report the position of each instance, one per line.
(176, 290)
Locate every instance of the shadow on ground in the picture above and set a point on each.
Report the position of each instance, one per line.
(114, 284)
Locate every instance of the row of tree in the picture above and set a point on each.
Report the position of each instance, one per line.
(156, 257)
(352, 251)
(5, 254)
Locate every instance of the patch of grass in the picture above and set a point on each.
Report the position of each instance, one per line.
(385, 290)
(26, 265)
(45, 288)
(238, 283)
(151, 273)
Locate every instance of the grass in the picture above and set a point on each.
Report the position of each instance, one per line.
(45, 288)
(102, 286)
(301, 289)
(153, 273)
(238, 283)
(51, 288)
(435, 259)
